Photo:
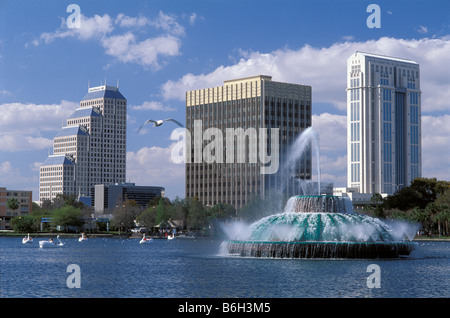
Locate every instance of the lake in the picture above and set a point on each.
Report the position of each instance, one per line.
(123, 268)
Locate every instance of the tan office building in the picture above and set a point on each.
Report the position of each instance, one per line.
(263, 117)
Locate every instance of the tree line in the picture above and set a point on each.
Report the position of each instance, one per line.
(68, 213)
(425, 201)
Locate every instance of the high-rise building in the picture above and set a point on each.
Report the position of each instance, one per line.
(383, 123)
(264, 117)
(90, 149)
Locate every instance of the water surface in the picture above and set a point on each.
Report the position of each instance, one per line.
(194, 268)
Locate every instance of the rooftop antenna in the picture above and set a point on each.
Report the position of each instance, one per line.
(117, 83)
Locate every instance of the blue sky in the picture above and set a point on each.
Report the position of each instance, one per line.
(159, 49)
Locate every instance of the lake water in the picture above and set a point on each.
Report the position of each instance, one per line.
(178, 268)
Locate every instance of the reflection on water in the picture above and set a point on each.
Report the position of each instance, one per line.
(194, 268)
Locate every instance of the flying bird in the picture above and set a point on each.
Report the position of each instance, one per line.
(157, 123)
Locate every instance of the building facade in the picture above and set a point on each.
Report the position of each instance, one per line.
(264, 117)
(24, 200)
(90, 149)
(105, 197)
(384, 151)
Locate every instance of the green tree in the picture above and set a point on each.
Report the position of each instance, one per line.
(443, 217)
(179, 210)
(196, 216)
(67, 199)
(420, 193)
(24, 223)
(401, 215)
(124, 215)
(147, 218)
(162, 214)
(12, 204)
(67, 216)
(377, 201)
(223, 211)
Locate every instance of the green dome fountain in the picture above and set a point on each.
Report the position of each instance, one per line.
(318, 226)
(321, 227)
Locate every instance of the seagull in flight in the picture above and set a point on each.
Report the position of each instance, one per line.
(157, 123)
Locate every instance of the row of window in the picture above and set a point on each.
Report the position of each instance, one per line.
(355, 171)
(354, 131)
(354, 111)
(355, 152)
(411, 85)
(354, 82)
(414, 98)
(354, 94)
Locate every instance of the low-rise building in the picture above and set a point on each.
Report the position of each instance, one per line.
(105, 197)
(24, 200)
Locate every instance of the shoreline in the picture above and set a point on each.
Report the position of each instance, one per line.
(122, 236)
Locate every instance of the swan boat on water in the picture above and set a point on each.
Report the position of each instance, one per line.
(82, 238)
(27, 239)
(145, 240)
(50, 243)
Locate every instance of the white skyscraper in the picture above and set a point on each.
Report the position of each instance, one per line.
(384, 150)
(90, 149)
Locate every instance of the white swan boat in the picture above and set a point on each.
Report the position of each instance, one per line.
(27, 239)
(170, 237)
(82, 238)
(145, 240)
(50, 243)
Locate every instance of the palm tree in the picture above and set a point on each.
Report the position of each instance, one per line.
(12, 204)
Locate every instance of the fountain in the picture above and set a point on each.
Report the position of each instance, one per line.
(319, 226)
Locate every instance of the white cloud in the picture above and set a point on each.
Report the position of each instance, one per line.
(325, 69)
(332, 132)
(12, 178)
(167, 23)
(126, 47)
(125, 21)
(95, 27)
(154, 166)
(192, 18)
(435, 147)
(24, 132)
(153, 105)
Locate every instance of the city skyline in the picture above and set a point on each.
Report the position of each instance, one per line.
(156, 52)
